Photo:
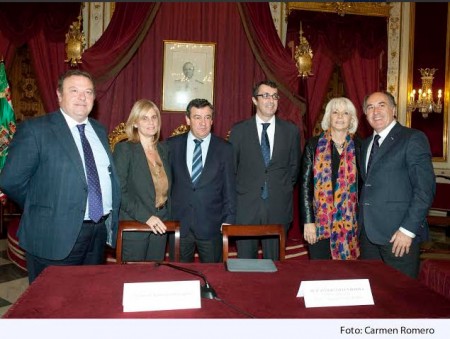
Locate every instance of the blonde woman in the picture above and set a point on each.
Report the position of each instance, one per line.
(144, 172)
(329, 190)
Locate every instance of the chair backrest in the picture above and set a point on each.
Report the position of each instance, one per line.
(253, 231)
(180, 130)
(117, 135)
(136, 226)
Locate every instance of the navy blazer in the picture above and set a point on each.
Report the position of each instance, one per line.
(44, 174)
(204, 207)
(400, 186)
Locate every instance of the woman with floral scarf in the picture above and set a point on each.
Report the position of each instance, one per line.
(329, 186)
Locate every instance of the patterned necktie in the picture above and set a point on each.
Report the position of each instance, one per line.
(373, 151)
(94, 191)
(197, 165)
(265, 145)
(265, 150)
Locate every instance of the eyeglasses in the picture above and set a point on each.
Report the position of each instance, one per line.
(274, 96)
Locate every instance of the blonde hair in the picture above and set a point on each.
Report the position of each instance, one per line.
(139, 109)
(342, 104)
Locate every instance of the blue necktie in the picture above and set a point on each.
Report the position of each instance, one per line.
(94, 191)
(373, 151)
(265, 145)
(265, 149)
(197, 165)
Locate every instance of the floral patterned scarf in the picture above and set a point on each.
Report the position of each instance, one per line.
(336, 211)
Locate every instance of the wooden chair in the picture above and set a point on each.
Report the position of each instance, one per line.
(253, 231)
(130, 226)
(117, 135)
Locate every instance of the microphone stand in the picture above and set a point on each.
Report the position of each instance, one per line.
(206, 291)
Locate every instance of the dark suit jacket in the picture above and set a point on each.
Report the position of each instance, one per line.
(400, 186)
(44, 174)
(281, 174)
(138, 190)
(204, 207)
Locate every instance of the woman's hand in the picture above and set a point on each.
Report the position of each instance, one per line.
(309, 233)
(156, 225)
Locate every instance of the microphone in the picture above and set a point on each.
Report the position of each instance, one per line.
(206, 291)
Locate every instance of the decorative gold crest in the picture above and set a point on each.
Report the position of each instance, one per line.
(75, 43)
(303, 56)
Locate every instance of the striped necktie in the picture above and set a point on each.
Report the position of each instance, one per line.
(197, 165)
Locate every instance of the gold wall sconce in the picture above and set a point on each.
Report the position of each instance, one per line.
(303, 56)
(75, 43)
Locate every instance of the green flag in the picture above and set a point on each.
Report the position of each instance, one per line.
(7, 118)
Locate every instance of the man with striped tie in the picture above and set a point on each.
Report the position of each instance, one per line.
(203, 187)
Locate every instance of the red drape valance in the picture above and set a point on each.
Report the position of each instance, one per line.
(20, 21)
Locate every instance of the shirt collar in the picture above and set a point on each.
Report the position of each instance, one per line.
(191, 137)
(260, 121)
(71, 121)
(383, 134)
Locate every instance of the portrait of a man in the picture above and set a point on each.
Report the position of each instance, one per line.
(188, 74)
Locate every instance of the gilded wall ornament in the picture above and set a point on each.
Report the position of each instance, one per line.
(75, 43)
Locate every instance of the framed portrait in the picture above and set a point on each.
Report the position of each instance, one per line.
(188, 73)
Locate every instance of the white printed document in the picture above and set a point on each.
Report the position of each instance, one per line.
(158, 296)
(343, 292)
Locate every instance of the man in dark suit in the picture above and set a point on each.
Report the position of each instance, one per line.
(203, 185)
(265, 183)
(398, 189)
(69, 214)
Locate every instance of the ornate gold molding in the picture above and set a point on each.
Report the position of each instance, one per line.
(381, 9)
(75, 43)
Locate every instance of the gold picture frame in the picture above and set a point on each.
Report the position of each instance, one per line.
(188, 73)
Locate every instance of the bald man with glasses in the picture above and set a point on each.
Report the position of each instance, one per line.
(267, 162)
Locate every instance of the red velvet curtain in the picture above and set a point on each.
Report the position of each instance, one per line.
(361, 77)
(48, 63)
(7, 50)
(121, 39)
(20, 21)
(43, 26)
(273, 58)
(236, 69)
(356, 43)
(317, 86)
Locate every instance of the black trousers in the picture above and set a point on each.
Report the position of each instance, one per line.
(209, 250)
(89, 249)
(409, 263)
(247, 247)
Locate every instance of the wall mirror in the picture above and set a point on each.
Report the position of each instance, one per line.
(429, 48)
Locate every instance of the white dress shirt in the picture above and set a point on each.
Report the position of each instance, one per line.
(100, 157)
(190, 149)
(270, 131)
